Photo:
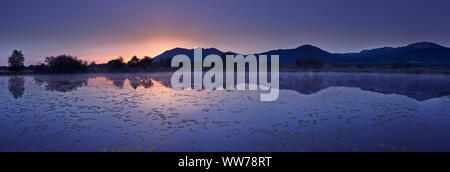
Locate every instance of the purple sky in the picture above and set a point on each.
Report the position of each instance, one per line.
(104, 29)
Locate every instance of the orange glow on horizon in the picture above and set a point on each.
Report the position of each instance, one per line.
(151, 47)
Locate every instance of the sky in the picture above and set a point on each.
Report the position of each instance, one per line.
(100, 30)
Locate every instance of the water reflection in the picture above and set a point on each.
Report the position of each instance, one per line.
(16, 86)
(118, 82)
(419, 87)
(72, 83)
(140, 112)
(136, 82)
(62, 83)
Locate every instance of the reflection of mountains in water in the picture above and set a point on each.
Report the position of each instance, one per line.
(419, 87)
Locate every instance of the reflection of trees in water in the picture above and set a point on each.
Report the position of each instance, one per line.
(134, 81)
(65, 86)
(118, 82)
(73, 82)
(60, 84)
(137, 81)
(419, 87)
(16, 86)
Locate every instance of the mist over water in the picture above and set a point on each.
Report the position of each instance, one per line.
(141, 112)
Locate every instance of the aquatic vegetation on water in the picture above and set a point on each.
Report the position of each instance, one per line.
(140, 112)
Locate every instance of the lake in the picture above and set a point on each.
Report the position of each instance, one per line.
(141, 112)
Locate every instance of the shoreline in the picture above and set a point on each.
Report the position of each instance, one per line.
(282, 70)
(371, 70)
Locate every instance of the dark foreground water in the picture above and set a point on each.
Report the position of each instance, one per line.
(140, 112)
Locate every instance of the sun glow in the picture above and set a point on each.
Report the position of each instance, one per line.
(150, 47)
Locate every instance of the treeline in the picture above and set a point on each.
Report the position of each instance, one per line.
(135, 64)
(310, 63)
(71, 64)
(316, 63)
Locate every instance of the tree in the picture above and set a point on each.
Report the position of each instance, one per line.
(65, 64)
(133, 62)
(116, 64)
(16, 61)
(145, 62)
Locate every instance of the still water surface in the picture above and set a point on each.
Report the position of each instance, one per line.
(140, 112)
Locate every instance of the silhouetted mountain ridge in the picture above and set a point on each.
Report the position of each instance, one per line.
(189, 52)
(420, 53)
(289, 56)
(391, 50)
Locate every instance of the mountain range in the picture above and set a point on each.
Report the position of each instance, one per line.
(419, 54)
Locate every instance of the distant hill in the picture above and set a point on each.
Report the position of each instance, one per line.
(289, 56)
(189, 52)
(421, 54)
(420, 57)
(392, 50)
